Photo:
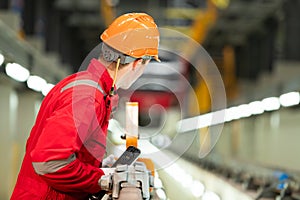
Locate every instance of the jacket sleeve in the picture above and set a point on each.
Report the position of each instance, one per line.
(54, 157)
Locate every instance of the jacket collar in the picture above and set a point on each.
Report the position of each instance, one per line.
(100, 72)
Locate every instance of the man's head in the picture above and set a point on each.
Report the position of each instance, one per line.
(129, 43)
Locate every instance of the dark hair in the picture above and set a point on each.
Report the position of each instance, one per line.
(144, 61)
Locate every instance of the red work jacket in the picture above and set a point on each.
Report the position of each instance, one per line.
(68, 140)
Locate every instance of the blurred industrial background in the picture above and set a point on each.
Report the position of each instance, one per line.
(255, 45)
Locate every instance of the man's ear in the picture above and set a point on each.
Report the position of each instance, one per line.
(136, 63)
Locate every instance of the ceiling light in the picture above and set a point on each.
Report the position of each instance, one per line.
(17, 72)
(197, 189)
(1, 59)
(289, 99)
(232, 114)
(194, 123)
(157, 183)
(256, 107)
(161, 194)
(36, 83)
(46, 89)
(244, 110)
(271, 103)
(187, 181)
(210, 196)
(176, 172)
(204, 120)
(218, 117)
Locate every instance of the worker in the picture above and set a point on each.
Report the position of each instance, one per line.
(67, 143)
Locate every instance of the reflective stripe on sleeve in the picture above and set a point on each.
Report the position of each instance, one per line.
(42, 168)
(83, 82)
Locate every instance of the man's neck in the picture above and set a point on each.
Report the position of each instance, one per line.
(109, 67)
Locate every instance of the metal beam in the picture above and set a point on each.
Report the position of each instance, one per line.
(18, 50)
(85, 20)
(77, 5)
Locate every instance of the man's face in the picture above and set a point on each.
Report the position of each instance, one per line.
(133, 72)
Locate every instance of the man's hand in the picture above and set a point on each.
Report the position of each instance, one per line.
(105, 182)
(108, 161)
(108, 171)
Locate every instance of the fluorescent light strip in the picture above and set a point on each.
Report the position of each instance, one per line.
(210, 196)
(245, 110)
(17, 72)
(256, 107)
(238, 112)
(271, 103)
(1, 59)
(197, 188)
(289, 99)
(21, 74)
(231, 114)
(46, 89)
(36, 83)
(161, 194)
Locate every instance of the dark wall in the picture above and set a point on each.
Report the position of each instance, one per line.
(292, 30)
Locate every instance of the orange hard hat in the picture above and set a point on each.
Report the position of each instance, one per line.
(133, 34)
